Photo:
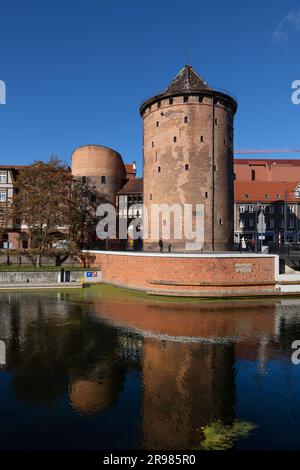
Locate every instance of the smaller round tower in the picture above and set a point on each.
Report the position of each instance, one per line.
(103, 167)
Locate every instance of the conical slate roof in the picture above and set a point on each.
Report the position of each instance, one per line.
(187, 80)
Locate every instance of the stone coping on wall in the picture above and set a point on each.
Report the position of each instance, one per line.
(182, 255)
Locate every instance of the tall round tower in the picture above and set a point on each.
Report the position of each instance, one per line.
(103, 167)
(188, 160)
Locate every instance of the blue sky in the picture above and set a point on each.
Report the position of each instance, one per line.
(77, 71)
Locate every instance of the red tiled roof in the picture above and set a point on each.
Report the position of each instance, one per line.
(132, 186)
(14, 167)
(262, 191)
(130, 167)
(267, 161)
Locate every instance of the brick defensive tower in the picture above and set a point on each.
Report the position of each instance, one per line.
(188, 157)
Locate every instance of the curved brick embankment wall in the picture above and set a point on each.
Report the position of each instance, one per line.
(189, 274)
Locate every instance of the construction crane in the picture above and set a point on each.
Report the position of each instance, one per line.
(254, 151)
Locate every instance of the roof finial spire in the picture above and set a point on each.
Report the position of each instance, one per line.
(186, 53)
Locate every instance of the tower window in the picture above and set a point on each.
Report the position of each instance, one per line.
(224, 142)
(152, 144)
(220, 222)
(83, 180)
(206, 195)
(158, 169)
(201, 138)
(158, 104)
(200, 99)
(186, 167)
(216, 121)
(150, 197)
(162, 113)
(185, 99)
(174, 139)
(103, 179)
(185, 119)
(170, 100)
(157, 123)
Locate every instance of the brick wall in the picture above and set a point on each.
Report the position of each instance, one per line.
(189, 274)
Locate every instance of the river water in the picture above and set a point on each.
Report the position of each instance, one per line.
(102, 368)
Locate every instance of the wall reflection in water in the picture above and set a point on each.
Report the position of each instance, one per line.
(75, 351)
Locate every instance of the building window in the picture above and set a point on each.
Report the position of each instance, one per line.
(175, 139)
(185, 99)
(251, 222)
(242, 209)
(224, 142)
(158, 169)
(220, 222)
(186, 167)
(200, 99)
(250, 208)
(150, 197)
(185, 119)
(170, 100)
(292, 209)
(282, 209)
(253, 175)
(152, 144)
(241, 224)
(216, 121)
(271, 223)
(201, 138)
(3, 176)
(292, 223)
(206, 195)
(3, 195)
(157, 123)
(158, 104)
(103, 179)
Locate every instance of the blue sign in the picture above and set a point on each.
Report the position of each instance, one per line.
(91, 274)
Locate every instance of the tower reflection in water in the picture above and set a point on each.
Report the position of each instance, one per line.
(83, 346)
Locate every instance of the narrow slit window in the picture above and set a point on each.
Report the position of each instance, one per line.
(186, 167)
(185, 119)
(185, 99)
(206, 195)
(201, 138)
(158, 169)
(152, 144)
(174, 139)
(170, 100)
(157, 123)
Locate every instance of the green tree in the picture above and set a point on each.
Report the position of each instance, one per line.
(40, 202)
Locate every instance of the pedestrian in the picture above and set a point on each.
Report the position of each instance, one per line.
(169, 248)
(161, 245)
(243, 244)
(253, 245)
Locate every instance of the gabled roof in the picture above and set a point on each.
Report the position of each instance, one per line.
(187, 80)
(132, 186)
(265, 191)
